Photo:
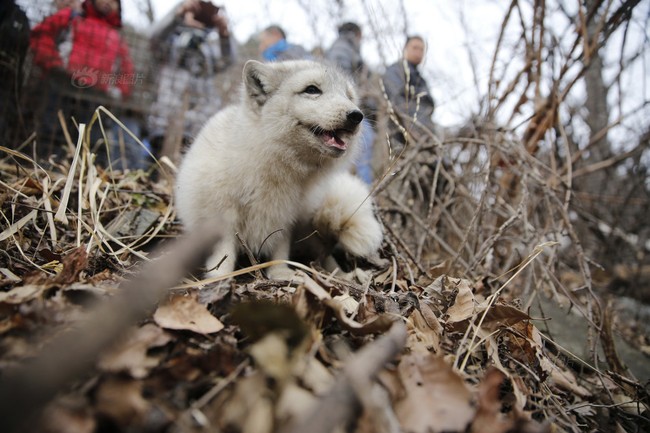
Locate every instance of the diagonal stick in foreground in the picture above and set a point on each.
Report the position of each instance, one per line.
(24, 391)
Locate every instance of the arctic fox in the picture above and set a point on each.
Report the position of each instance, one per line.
(277, 158)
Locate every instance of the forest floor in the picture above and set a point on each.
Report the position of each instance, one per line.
(103, 328)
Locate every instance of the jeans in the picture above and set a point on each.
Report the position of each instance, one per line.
(364, 163)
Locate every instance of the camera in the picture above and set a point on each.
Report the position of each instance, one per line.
(205, 13)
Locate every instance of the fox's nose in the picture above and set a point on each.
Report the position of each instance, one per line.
(354, 116)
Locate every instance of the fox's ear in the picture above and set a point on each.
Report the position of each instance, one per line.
(260, 81)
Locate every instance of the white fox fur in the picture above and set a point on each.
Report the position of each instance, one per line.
(278, 157)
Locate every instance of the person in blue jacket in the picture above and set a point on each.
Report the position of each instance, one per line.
(273, 46)
(345, 52)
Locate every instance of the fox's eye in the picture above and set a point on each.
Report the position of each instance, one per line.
(312, 90)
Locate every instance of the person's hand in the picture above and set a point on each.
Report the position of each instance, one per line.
(189, 6)
(187, 10)
(221, 23)
(189, 20)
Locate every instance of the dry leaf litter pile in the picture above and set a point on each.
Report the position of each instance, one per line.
(106, 325)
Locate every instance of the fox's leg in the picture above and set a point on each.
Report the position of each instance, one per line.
(281, 252)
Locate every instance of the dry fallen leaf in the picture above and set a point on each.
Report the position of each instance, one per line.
(122, 401)
(378, 324)
(349, 304)
(131, 354)
(247, 408)
(464, 305)
(424, 329)
(565, 379)
(68, 415)
(315, 376)
(294, 402)
(488, 412)
(378, 415)
(273, 357)
(500, 315)
(67, 271)
(73, 264)
(184, 312)
(562, 377)
(21, 294)
(435, 396)
(277, 333)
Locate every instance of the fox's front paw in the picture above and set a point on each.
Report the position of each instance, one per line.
(343, 210)
(362, 234)
(281, 272)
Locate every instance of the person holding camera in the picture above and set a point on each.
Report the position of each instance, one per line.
(193, 44)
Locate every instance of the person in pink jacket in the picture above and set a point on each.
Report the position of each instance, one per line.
(87, 45)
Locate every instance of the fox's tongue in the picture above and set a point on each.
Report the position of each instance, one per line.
(334, 141)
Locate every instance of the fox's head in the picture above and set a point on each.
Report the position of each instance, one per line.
(312, 105)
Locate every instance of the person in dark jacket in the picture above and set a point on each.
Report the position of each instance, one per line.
(408, 92)
(14, 41)
(345, 52)
(273, 46)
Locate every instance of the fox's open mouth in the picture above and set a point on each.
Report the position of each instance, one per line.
(332, 138)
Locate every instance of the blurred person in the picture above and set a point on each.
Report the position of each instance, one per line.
(408, 92)
(85, 45)
(85, 63)
(345, 52)
(14, 41)
(273, 46)
(193, 44)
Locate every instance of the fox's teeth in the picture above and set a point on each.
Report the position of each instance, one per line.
(331, 139)
(339, 141)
